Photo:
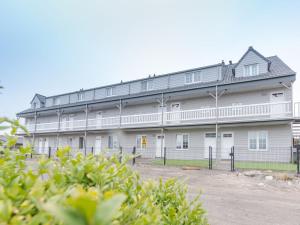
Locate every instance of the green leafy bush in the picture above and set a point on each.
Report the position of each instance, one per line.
(86, 191)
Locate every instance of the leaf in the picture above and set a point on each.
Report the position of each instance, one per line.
(109, 209)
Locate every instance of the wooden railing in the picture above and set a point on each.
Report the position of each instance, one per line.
(262, 111)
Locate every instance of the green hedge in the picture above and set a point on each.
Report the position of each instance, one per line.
(86, 190)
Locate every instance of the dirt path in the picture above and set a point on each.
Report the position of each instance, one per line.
(231, 198)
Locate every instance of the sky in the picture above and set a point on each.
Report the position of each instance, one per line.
(55, 46)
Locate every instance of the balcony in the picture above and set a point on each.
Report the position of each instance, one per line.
(227, 114)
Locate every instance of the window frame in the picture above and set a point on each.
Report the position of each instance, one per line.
(250, 67)
(80, 96)
(79, 142)
(141, 145)
(114, 143)
(256, 134)
(182, 141)
(147, 85)
(110, 91)
(193, 75)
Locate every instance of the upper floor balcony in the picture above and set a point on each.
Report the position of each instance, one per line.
(224, 114)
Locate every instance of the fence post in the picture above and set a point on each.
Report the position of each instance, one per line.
(232, 159)
(298, 160)
(49, 152)
(210, 158)
(165, 155)
(92, 150)
(120, 154)
(133, 153)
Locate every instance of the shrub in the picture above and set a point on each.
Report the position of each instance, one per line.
(86, 191)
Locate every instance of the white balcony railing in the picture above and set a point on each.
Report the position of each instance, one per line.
(265, 111)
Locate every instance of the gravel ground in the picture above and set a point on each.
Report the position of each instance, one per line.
(238, 198)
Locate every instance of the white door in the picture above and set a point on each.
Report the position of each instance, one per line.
(99, 119)
(98, 143)
(227, 141)
(71, 121)
(63, 124)
(175, 109)
(277, 110)
(160, 152)
(40, 148)
(46, 145)
(210, 140)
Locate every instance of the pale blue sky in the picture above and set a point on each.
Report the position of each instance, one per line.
(56, 46)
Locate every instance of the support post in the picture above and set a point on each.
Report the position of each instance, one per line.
(165, 155)
(298, 160)
(232, 169)
(49, 152)
(133, 154)
(210, 158)
(92, 150)
(86, 126)
(120, 154)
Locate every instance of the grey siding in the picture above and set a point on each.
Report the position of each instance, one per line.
(251, 58)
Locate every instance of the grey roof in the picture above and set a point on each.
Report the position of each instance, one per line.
(42, 98)
(256, 52)
(277, 69)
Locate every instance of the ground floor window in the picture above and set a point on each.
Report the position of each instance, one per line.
(113, 142)
(81, 142)
(141, 141)
(258, 140)
(182, 141)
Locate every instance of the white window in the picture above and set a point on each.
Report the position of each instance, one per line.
(195, 77)
(147, 85)
(258, 140)
(141, 141)
(189, 78)
(113, 142)
(81, 142)
(182, 141)
(110, 91)
(56, 101)
(251, 70)
(80, 96)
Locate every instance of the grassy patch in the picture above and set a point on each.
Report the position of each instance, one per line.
(266, 166)
(179, 162)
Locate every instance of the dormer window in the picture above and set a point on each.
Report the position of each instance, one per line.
(80, 96)
(251, 70)
(195, 77)
(110, 91)
(147, 85)
(56, 101)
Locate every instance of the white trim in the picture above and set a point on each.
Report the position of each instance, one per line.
(182, 149)
(193, 77)
(256, 132)
(250, 66)
(140, 135)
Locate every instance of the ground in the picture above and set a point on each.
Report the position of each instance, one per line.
(238, 198)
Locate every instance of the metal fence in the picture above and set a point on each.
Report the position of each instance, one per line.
(236, 158)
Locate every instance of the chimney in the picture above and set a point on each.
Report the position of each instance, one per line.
(223, 62)
(230, 62)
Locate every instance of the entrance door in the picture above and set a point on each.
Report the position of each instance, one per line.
(46, 145)
(71, 122)
(40, 149)
(227, 142)
(99, 119)
(159, 151)
(175, 109)
(63, 124)
(210, 140)
(277, 110)
(98, 143)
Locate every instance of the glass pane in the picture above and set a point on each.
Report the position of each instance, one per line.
(144, 85)
(138, 141)
(197, 77)
(150, 85)
(262, 140)
(189, 78)
(178, 141)
(185, 141)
